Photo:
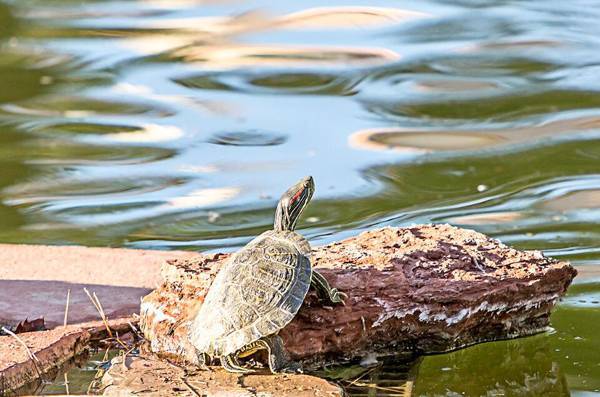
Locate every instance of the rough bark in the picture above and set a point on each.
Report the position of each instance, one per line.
(149, 377)
(423, 289)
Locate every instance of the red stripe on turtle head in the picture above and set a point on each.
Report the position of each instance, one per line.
(295, 196)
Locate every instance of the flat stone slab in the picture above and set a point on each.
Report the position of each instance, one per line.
(421, 289)
(147, 377)
(20, 299)
(34, 281)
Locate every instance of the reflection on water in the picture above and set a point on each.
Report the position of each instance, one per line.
(425, 141)
(390, 377)
(78, 377)
(177, 124)
(511, 368)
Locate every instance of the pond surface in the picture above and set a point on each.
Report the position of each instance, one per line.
(176, 124)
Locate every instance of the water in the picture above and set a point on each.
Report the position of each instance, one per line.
(177, 124)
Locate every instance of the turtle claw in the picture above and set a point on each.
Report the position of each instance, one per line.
(292, 368)
(337, 296)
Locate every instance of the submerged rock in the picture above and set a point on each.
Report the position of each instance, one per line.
(423, 289)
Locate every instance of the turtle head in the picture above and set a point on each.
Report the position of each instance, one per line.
(291, 204)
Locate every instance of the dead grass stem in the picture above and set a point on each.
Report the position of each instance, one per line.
(98, 306)
(32, 356)
(67, 308)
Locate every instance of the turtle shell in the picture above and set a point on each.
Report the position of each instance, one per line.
(257, 292)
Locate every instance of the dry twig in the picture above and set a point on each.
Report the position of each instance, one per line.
(32, 356)
(135, 330)
(190, 387)
(98, 306)
(363, 375)
(66, 384)
(67, 308)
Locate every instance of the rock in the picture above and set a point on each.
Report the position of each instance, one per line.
(147, 377)
(84, 265)
(18, 301)
(50, 348)
(422, 289)
(120, 277)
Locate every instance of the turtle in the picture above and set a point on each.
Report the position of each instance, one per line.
(258, 291)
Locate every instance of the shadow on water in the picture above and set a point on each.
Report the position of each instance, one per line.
(177, 125)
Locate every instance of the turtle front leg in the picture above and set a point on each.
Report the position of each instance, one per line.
(324, 290)
(278, 357)
(231, 364)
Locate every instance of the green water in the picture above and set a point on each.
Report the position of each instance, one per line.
(177, 124)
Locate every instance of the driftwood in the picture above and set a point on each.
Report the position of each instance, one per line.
(423, 289)
(50, 349)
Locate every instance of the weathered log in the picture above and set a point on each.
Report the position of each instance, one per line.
(422, 289)
(51, 349)
(148, 377)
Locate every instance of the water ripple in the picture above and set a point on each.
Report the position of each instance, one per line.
(177, 124)
(248, 138)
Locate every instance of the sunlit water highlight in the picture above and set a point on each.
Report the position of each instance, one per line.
(177, 124)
